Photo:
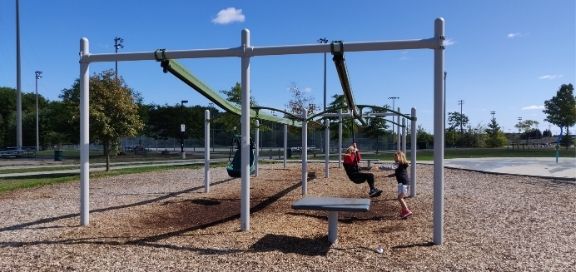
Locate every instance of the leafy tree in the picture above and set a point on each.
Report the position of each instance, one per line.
(495, 137)
(376, 127)
(424, 139)
(7, 116)
(547, 133)
(300, 101)
(113, 110)
(455, 119)
(526, 125)
(560, 110)
(229, 121)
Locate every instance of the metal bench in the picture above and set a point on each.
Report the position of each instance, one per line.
(333, 205)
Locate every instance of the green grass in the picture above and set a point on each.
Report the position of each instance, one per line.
(12, 184)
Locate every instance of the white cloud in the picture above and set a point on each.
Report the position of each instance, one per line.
(550, 77)
(514, 35)
(449, 42)
(533, 107)
(228, 16)
(307, 90)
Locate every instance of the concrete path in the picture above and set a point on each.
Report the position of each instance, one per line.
(540, 167)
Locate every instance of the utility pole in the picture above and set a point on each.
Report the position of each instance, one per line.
(117, 45)
(461, 102)
(18, 82)
(324, 40)
(38, 76)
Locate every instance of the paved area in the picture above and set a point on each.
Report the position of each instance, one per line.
(541, 167)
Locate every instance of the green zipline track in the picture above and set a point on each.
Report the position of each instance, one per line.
(180, 72)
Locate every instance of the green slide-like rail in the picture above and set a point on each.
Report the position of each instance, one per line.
(180, 72)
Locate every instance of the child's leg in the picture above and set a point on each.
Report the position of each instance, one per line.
(401, 195)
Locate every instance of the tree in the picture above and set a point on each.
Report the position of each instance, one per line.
(455, 119)
(560, 110)
(300, 101)
(230, 121)
(376, 127)
(113, 110)
(424, 139)
(496, 137)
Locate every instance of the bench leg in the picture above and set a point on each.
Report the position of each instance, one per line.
(332, 226)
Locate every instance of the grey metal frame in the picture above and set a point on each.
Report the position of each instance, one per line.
(245, 52)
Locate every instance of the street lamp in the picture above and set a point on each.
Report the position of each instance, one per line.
(18, 82)
(38, 76)
(393, 98)
(182, 129)
(117, 45)
(324, 40)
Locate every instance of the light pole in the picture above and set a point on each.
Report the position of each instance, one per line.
(117, 45)
(461, 102)
(38, 76)
(324, 40)
(393, 98)
(18, 82)
(182, 128)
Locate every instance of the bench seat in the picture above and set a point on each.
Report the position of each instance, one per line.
(332, 205)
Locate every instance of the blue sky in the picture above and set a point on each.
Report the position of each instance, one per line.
(503, 56)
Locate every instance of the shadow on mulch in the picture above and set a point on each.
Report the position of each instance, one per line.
(287, 244)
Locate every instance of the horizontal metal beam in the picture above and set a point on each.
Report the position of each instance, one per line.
(431, 43)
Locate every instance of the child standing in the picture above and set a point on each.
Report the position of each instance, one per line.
(401, 175)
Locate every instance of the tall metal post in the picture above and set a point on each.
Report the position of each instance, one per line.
(438, 237)
(413, 146)
(84, 133)
(326, 147)
(257, 146)
(285, 143)
(340, 138)
(18, 82)
(461, 102)
(38, 76)
(245, 132)
(398, 139)
(182, 128)
(324, 40)
(304, 153)
(207, 151)
(117, 45)
(404, 135)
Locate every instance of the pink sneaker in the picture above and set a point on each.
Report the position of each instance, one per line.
(405, 214)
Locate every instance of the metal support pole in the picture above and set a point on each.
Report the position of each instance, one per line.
(245, 132)
(439, 133)
(398, 139)
(84, 134)
(404, 135)
(304, 154)
(18, 82)
(413, 146)
(327, 148)
(207, 151)
(38, 76)
(257, 146)
(285, 143)
(340, 138)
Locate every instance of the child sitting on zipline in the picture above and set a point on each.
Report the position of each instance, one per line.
(351, 159)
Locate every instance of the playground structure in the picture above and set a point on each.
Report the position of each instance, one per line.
(246, 52)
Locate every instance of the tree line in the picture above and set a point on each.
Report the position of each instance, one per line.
(116, 111)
